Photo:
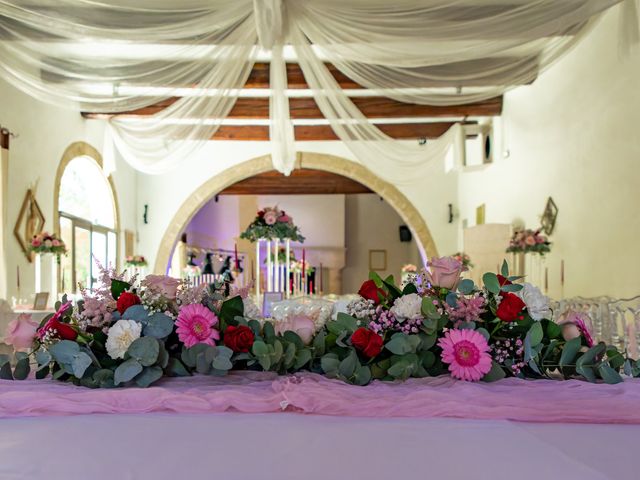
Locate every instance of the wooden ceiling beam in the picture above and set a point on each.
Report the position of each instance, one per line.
(401, 131)
(300, 182)
(306, 108)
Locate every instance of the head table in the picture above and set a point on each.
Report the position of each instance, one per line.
(256, 425)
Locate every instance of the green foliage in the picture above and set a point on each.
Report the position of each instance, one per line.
(117, 287)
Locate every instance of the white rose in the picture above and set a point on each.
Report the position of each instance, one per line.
(120, 336)
(407, 307)
(537, 303)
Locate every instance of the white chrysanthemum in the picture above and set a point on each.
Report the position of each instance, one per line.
(407, 307)
(120, 336)
(537, 303)
(251, 310)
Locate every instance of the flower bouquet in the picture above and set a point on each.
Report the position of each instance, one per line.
(135, 333)
(272, 223)
(529, 241)
(46, 242)
(464, 259)
(135, 261)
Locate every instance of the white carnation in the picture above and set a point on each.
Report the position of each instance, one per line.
(537, 303)
(407, 307)
(120, 336)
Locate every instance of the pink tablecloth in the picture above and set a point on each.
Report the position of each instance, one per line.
(511, 399)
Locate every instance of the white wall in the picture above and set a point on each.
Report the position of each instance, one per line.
(373, 225)
(44, 133)
(573, 135)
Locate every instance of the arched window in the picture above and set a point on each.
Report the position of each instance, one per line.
(88, 222)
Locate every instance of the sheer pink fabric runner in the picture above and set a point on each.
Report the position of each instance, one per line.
(252, 392)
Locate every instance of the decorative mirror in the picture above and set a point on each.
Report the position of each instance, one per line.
(548, 221)
(30, 222)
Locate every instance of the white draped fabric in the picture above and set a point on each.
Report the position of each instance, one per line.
(125, 55)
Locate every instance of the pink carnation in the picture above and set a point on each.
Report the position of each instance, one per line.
(466, 352)
(195, 325)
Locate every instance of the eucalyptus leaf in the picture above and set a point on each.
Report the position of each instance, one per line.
(484, 333)
(42, 372)
(452, 299)
(269, 331)
(293, 337)
(329, 363)
(466, 286)
(318, 343)
(362, 375)
(80, 364)
(175, 368)
(491, 282)
(504, 270)
(302, 358)
(43, 357)
(587, 372)
(145, 350)
(158, 325)
(512, 287)
(553, 330)
(535, 333)
(347, 321)
(64, 351)
(569, 352)
(259, 348)
(126, 371)
(399, 344)
(348, 365)
(428, 309)
(496, 373)
(148, 376)
(589, 357)
(608, 374)
(22, 369)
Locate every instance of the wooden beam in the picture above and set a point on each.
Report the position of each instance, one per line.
(300, 182)
(306, 108)
(403, 131)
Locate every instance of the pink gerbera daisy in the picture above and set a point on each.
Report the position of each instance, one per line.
(467, 353)
(195, 325)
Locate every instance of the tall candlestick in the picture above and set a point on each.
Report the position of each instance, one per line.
(321, 285)
(235, 249)
(287, 244)
(269, 271)
(304, 272)
(276, 249)
(258, 272)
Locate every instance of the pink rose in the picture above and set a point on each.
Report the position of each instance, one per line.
(445, 272)
(540, 239)
(270, 217)
(303, 326)
(165, 286)
(36, 242)
(21, 332)
(56, 243)
(530, 240)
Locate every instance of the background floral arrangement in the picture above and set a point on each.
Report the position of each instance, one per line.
(529, 241)
(135, 261)
(134, 333)
(46, 242)
(271, 223)
(464, 259)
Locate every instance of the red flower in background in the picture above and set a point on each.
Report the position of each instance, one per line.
(260, 213)
(126, 300)
(503, 281)
(510, 307)
(367, 341)
(370, 291)
(239, 339)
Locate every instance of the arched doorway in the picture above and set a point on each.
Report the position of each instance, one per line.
(314, 161)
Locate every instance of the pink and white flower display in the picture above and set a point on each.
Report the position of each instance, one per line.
(272, 223)
(529, 241)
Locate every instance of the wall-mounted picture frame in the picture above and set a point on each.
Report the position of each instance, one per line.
(40, 302)
(377, 260)
(549, 216)
(30, 223)
(268, 299)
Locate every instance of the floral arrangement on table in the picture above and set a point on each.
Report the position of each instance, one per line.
(464, 259)
(529, 241)
(134, 333)
(296, 267)
(46, 242)
(272, 223)
(135, 261)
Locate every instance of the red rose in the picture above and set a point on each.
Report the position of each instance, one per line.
(126, 300)
(367, 341)
(261, 214)
(503, 281)
(63, 331)
(370, 291)
(510, 307)
(238, 339)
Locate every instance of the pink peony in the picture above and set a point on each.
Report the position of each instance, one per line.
(467, 353)
(270, 217)
(195, 325)
(574, 325)
(445, 272)
(21, 332)
(300, 324)
(163, 285)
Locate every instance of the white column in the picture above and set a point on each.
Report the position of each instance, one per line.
(269, 268)
(276, 248)
(287, 244)
(258, 272)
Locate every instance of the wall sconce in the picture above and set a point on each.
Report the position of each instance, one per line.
(145, 217)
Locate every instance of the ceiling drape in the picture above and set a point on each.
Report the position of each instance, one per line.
(194, 56)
